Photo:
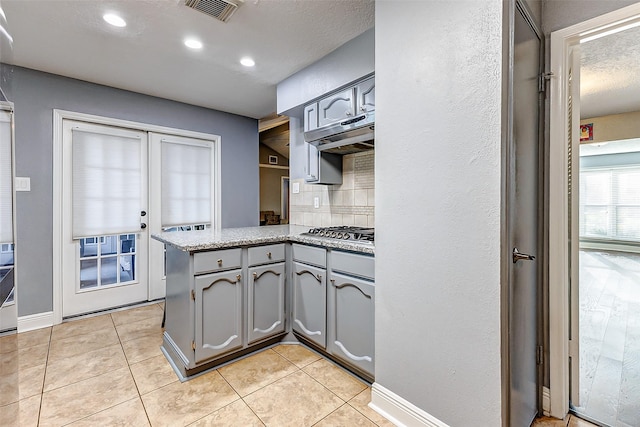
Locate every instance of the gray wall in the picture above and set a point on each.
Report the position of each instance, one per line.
(36, 94)
(349, 62)
(438, 206)
(559, 14)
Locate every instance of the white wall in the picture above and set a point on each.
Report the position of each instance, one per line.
(438, 167)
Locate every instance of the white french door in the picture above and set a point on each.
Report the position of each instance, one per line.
(181, 194)
(119, 183)
(104, 204)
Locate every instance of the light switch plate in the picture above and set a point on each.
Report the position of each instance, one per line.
(295, 188)
(23, 183)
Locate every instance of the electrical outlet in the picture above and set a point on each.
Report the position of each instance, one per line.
(295, 188)
(316, 202)
(22, 183)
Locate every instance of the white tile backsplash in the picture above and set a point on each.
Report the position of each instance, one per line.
(351, 203)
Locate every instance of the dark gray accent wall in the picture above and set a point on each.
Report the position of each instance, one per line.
(36, 94)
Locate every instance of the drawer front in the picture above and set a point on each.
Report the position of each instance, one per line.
(266, 254)
(355, 264)
(310, 255)
(206, 262)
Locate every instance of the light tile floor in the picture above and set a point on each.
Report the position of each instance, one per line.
(108, 370)
(610, 337)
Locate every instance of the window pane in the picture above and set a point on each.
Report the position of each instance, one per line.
(595, 188)
(109, 271)
(108, 245)
(596, 221)
(6, 180)
(628, 187)
(127, 243)
(127, 268)
(628, 223)
(88, 273)
(88, 247)
(6, 255)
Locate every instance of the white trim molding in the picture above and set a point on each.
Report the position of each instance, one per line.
(559, 280)
(546, 401)
(32, 322)
(400, 411)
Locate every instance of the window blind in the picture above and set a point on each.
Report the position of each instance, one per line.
(106, 181)
(6, 180)
(186, 183)
(610, 203)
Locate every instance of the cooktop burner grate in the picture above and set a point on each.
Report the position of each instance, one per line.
(361, 234)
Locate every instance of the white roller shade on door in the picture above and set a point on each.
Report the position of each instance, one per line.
(106, 181)
(186, 182)
(6, 180)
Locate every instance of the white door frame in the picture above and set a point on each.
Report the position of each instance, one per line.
(559, 274)
(58, 117)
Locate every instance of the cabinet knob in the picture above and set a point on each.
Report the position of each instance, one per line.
(255, 275)
(238, 277)
(219, 263)
(269, 255)
(347, 113)
(363, 108)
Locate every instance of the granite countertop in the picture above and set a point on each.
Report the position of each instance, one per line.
(203, 240)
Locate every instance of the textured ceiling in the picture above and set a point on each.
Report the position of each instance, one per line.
(69, 37)
(610, 74)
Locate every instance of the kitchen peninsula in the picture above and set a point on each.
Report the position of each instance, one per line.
(234, 291)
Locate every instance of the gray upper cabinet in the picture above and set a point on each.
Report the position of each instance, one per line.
(366, 96)
(266, 301)
(218, 322)
(351, 321)
(311, 117)
(336, 107)
(322, 168)
(310, 302)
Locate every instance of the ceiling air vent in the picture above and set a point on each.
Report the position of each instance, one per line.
(219, 9)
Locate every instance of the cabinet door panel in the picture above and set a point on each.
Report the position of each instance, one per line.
(310, 302)
(336, 107)
(352, 321)
(218, 303)
(266, 301)
(311, 117)
(366, 95)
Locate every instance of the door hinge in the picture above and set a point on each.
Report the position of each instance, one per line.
(542, 79)
(193, 295)
(539, 355)
(193, 345)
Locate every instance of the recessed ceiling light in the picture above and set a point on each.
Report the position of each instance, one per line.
(114, 20)
(193, 44)
(247, 62)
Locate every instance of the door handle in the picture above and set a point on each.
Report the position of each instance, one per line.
(517, 256)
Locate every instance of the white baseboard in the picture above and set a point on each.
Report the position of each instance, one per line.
(400, 411)
(546, 401)
(35, 321)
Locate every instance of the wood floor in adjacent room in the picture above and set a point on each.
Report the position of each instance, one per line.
(108, 370)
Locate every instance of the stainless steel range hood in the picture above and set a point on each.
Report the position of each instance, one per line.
(348, 136)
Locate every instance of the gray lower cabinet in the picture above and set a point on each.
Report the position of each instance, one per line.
(218, 322)
(351, 321)
(310, 302)
(266, 301)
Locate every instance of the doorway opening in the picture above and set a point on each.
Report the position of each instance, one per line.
(594, 204)
(274, 170)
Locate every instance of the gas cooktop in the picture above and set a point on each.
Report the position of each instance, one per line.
(359, 234)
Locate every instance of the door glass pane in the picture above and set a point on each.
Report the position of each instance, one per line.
(127, 268)
(108, 245)
(88, 273)
(108, 271)
(127, 243)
